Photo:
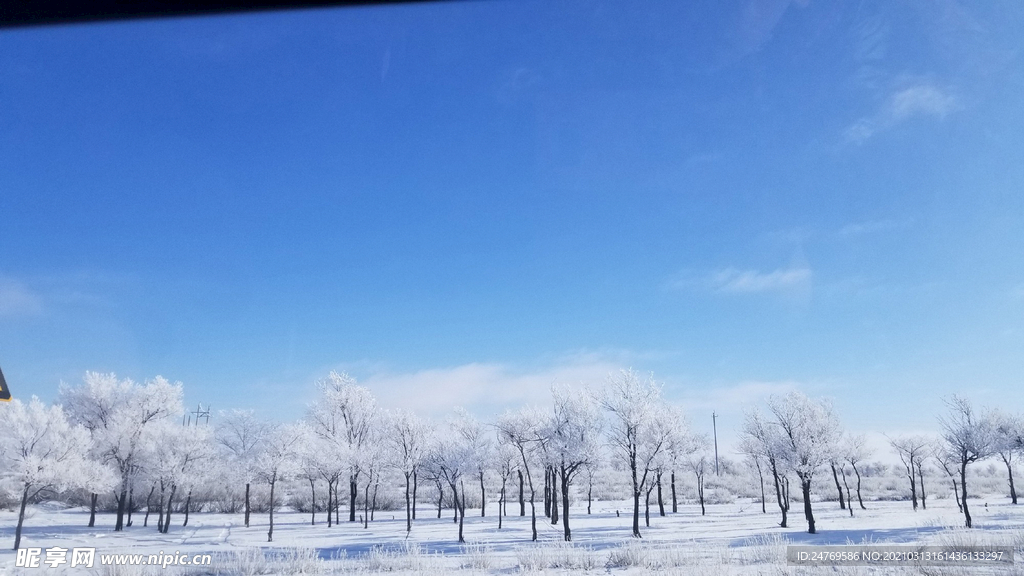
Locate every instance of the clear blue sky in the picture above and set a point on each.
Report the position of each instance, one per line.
(482, 197)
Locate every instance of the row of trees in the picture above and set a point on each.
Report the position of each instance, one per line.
(801, 437)
(115, 435)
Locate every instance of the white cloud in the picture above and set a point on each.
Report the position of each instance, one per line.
(752, 281)
(736, 397)
(486, 388)
(16, 299)
(919, 100)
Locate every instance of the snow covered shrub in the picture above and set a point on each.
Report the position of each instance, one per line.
(477, 556)
(555, 555)
(246, 562)
(719, 496)
(767, 548)
(407, 556)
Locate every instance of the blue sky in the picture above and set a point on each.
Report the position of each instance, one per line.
(462, 202)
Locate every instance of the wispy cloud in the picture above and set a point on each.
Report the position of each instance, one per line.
(918, 100)
(872, 226)
(752, 281)
(16, 299)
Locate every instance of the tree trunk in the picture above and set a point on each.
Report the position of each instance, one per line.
(312, 498)
(778, 495)
(247, 508)
(913, 485)
(554, 497)
(835, 476)
(330, 501)
(661, 503)
(859, 499)
(590, 493)
(145, 519)
(188, 503)
(1009, 471)
(160, 518)
(547, 492)
(647, 506)
(170, 502)
(636, 498)
(963, 492)
(847, 485)
(956, 494)
(700, 493)
(366, 506)
(408, 507)
(414, 484)
(270, 533)
(805, 485)
(131, 504)
(92, 509)
(440, 500)
(501, 501)
(373, 504)
(460, 504)
(353, 491)
(760, 477)
(21, 517)
(522, 504)
(121, 501)
(920, 476)
(672, 483)
(483, 497)
(565, 506)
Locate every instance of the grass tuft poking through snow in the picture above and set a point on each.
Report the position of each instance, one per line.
(555, 555)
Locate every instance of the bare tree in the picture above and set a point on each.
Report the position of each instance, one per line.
(912, 451)
(1009, 441)
(409, 436)
(523, 430)
(969, 437)
(855, 451)
(764, 440)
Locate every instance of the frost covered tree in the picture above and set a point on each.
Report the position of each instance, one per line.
(523, 430)
(855, 450)
(969, 437)
(119, 415)
(409, 436)
(574, 435)
(1009, 441)
(451, 457)
(810, 433)
(41, 451)
(948, 461)
(241, 434)
(278, 460)
(912, 450)
(180, 455)
(506, 462)
(343, 415)
(698, 465)
(635, 433)
(761, 439)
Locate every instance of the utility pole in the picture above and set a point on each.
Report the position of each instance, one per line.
(714, 427)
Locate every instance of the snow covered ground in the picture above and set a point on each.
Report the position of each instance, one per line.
(731, 539)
